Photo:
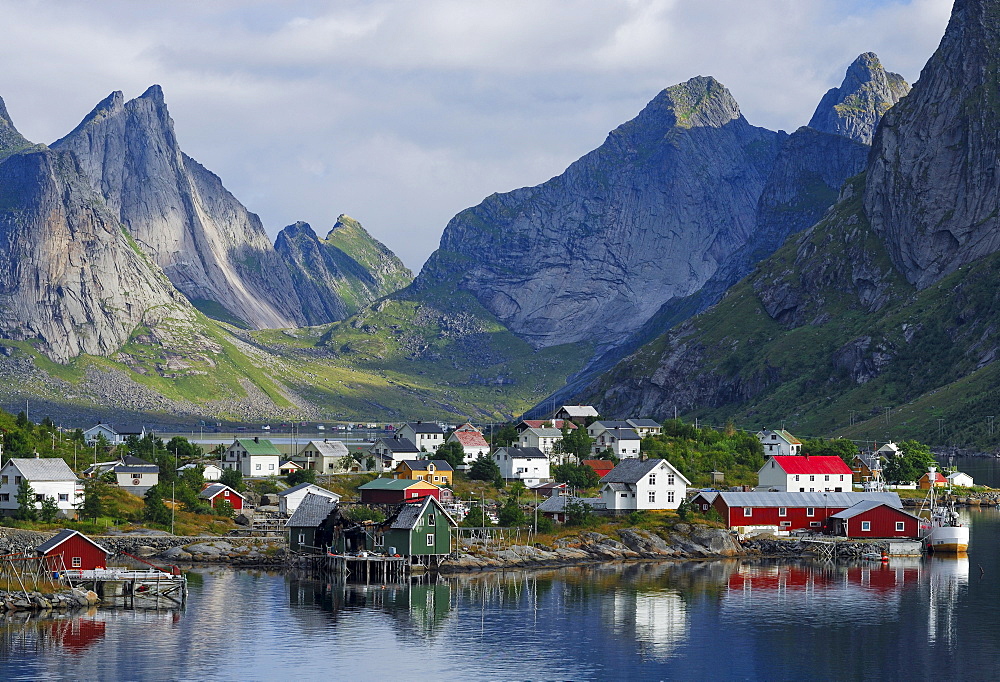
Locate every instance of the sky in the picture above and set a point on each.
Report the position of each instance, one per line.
(401, 113)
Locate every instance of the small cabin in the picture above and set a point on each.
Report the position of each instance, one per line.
(215, 493)
(73, 550)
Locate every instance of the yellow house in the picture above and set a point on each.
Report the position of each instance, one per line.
(435, 471)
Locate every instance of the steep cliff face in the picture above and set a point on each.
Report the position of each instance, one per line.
(71, 280)
(647, 217)
(855, 108)
(335, 276)
(933, 187)
(213, 250)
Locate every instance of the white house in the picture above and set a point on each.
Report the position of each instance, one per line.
(646, 427)
(960, 479)
(253, 457)
(603, 425)
(210, 472)
(136, 475)
(576, 413)
(779, 442)
(805, 474)
(113, 437)
(472, 441)
(528, 465)
(624, 443)
(427, 436)
(388, 452)
(290, 498)
(49, 478)
(643, 484)
(544, 439)
(325, 457)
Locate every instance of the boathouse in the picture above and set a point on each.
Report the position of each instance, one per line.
(872, 519)
(72, 549)
(309, 528)
(395, 491)
(420, 530)
(787, 511)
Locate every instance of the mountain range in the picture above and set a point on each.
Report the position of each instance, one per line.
(692, 262)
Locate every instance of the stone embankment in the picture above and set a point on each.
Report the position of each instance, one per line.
(683, 541)
(67, 600)
(158, 545)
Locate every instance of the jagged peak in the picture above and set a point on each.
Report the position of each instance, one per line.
(345, 223)
(4, 116)
(11, 140)
(701, 101)
(297, 229)
(111, 105)
(155, 93)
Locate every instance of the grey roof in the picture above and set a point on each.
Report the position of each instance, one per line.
(870, 460)
(645, 423)
(397, 444)
(327, 448)
(862, 507)
(214, 489)
(708, 495)
(39, 469)
(845, 500)
(622, 433)
(617, 486)
(61, 537)
(312, 511)
(612, 424)
(302, 486)
(522, 453)
(421, 464)
(425, 427)
(579, 410)
(631, 470)
(137, 469)
(409, 513)
(544, 432)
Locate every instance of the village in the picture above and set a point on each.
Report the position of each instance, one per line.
(405, 514)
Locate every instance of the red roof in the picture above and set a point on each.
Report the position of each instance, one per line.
(471, 439)
(600, 465)
(804, 464)
(938, 478)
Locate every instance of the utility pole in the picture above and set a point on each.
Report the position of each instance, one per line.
(990, 418)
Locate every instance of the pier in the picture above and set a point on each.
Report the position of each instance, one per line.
(132, 588)
(357, 569)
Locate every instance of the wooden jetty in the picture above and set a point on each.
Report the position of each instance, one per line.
(124, 586)
(356, 568)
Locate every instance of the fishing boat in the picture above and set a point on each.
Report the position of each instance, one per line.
(942, 532)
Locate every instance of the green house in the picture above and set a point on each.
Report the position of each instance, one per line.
(420, 530)
(309, 527)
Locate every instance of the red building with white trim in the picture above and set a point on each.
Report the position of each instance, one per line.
(805, 474)
(875, 520)
(215, 493)
(74, 550)
(788, 511)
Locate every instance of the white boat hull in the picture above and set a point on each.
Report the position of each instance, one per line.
(948, 539)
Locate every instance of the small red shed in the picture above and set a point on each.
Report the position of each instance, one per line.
(74, 550)
(872, 519)
(215, 493)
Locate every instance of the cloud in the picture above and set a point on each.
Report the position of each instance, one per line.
(402, 113)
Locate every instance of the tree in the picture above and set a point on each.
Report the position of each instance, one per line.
(26, 507)
(155, 511)
(92, 506)
(233, 478)
(504, 436)
(909, 464)
(579, 514)
(184, 449)
(576, 475)
(485, 469)
(511, 513)
(576, 442)
(301, 476)
(836, 447)
(476, 518)
(22, 420)
(359, 514)
(193, 478)
(50, 510)
(225, 509)
(452, 452)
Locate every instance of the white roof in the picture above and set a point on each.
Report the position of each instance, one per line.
(327, 448)
(42, 469)
(580, 410)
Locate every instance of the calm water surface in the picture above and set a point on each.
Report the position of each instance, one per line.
(931, 618)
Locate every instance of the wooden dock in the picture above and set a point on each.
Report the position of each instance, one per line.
(356, 569)
(132, 589)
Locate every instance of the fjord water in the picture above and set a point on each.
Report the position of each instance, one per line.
(916, 618)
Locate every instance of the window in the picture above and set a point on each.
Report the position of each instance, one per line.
(4, 497)
(63, 497)
(815, 524)
(747, 511)
(430, 539)
(900, 526)
(17, 479)
(842, 477)
(786, 524)
(302, 538)
(810, 511)
(258, 467)
(225, 493)
(652, 496)
(77, 562)
(826, 477)
(670, 496)
(866, 526)
(431, 521)
(39, 497)
(3, 479)
(670, 479)
(652, 479)
(782, 511)
(271, 467)
(379, 540)
(812, 477)
(796, 477)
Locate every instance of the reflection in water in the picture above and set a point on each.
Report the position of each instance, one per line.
(657, 620)
(949, 578)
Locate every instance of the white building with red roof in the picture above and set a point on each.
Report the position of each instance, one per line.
(805, 474)
(472, 441)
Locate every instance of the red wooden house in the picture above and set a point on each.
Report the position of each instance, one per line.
(601, 466)
(74, 550)
(215, 493)
(875, 520)
(788, 511)
(396, 490)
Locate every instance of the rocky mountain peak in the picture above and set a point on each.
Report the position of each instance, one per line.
(856, 107)
(10, 139)
(932, 188)
(701, 102)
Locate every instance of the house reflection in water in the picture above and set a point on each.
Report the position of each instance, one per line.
(657, 619)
